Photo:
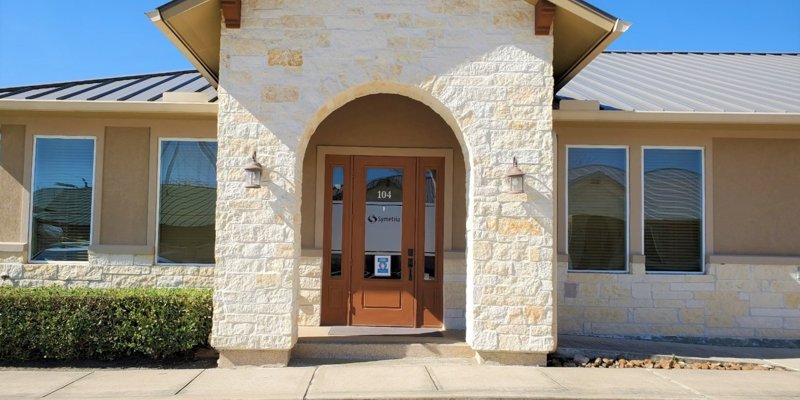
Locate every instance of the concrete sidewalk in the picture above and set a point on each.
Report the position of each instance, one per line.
(397, 379)
(433, 378)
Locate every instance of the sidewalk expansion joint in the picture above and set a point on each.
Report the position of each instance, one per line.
(190, 382)
(674, 382)
(310, 381)
(433, 379)
(69, 383)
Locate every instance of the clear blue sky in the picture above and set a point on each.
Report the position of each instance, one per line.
(60, 40)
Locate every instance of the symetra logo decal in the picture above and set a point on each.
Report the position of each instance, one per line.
(374, 219)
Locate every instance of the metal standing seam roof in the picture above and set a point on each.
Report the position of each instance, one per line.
(630, 81)
(147, 87)
(690, 82)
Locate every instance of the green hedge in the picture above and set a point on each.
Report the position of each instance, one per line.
(101, 324)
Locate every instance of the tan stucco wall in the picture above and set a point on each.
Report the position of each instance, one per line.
(125, 186)
(12, 167)
(384, 120)
(636, 135)
(126, 160)
(757, 187)
(735, 297)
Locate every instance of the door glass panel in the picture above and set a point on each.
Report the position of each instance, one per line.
(336, 222)
(430, 224)
(383, 224)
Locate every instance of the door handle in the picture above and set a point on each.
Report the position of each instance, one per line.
(410, 253)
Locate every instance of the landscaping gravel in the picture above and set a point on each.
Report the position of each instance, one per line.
(581, 361)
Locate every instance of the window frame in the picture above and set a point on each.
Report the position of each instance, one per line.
(32, 192)
(627, 268)
(158, 200)
(703, 227)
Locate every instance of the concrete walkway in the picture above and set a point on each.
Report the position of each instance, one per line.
(390, 380)
(431, 378)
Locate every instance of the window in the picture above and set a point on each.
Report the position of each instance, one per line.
(187, 201)
(61, 204)
(597, 208)
(337, 214)
(673, 209)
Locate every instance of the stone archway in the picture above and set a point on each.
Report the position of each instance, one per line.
(389, 125)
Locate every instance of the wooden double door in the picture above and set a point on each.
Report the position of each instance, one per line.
(382, 241)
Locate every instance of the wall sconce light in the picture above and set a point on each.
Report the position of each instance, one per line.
(253, 174)
(516, 179)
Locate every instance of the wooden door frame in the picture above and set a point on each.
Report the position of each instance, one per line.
(329, 285)
(443, 165)
(437, 304)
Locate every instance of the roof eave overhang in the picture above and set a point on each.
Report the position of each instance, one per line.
(594, 32)
(149, 108)
(202, 13)
(676, 117)
(580, 33)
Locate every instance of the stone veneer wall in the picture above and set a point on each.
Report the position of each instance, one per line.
(455, 290)
(728, 301)
(104, 271)
(476, 63)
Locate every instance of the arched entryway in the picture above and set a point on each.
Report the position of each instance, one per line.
(384, 209)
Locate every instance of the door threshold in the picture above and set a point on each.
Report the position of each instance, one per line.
(376, 331)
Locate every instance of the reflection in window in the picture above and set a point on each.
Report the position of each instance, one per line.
(673, 210)
(188, 193)
(383, 223)
(597, 208)
(336, 223)
(63, 182)
(430, 224)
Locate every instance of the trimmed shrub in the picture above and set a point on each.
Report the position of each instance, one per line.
(101, 324)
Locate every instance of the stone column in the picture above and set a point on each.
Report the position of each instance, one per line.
(503, 104)
(257, 243)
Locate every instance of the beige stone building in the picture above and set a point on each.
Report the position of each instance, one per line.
(455, 165)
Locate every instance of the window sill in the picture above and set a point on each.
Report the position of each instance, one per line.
(598, 271)
(199, 265)
(675, 272)
(12, 247)
(122, 249)
(39, 262)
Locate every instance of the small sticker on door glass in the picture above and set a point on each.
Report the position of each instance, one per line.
(383, 266)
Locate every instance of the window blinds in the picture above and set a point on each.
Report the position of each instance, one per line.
(63, 184)
(597, 208)
(187, 206)
(673, 210)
